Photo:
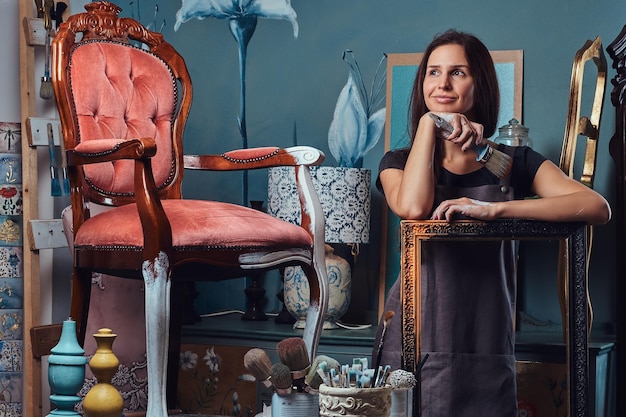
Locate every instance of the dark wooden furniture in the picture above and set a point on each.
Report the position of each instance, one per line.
(415, 233)
(617, 149)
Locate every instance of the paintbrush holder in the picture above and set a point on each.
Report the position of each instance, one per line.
(354, 402)
(295, 405)
(401, 402)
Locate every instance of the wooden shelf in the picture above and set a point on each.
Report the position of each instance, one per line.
(231, 327)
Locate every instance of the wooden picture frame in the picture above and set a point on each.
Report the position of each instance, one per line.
(401, 70)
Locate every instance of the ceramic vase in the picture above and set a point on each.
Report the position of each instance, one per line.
(354, 402)
(296, 290)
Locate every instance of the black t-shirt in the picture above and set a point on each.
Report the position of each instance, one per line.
(526, 162)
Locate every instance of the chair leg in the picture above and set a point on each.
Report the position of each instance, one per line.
(177, 308)
(81, 294)
(318, 305)
(156, 274)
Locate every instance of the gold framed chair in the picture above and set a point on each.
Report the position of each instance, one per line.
(575, 127)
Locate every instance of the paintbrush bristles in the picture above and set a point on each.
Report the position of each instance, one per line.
(293, 353)
(497, 162)
(258, 364)
(280, 375)
(388, 316)
(46, 91)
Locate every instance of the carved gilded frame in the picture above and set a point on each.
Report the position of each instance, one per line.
(415, 233)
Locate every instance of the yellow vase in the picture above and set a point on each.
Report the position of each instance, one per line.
(103, 400)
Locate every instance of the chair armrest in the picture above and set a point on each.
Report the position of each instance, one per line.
(105, 150)
(255, 158)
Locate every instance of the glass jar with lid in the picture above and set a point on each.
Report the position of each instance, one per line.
(513, 134)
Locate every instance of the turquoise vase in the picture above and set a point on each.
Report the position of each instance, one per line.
(66, 371)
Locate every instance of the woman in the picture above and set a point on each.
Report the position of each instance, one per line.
(468, 288)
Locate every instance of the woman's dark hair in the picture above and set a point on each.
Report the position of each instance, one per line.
(486, 91)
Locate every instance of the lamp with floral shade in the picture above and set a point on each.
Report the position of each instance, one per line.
(344, 191)
(346, 198)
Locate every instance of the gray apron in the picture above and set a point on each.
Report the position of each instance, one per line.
(468, 306)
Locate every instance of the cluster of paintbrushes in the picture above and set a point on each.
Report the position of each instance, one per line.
(357, 375)
(295, 373)
(286, 376)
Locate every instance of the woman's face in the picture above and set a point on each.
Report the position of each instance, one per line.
(448, 85)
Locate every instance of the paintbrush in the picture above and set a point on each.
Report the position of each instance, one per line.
(320, 371)
(420, 364)
(379, 353)
(280, 376)
(45, 90)
(497, 162)
(258, 364)
(293, 353)
(55, 185)
(381, 378)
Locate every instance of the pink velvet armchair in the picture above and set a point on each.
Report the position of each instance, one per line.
(123, 111)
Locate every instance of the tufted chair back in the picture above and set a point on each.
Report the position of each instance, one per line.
(116, 96)
(119, 90)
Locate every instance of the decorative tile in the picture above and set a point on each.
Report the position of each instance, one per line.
(10, 168)
(11, 352)
(11, 409)
(10, 137)
(11, 231)
(11, 201)
(10, 388)
(11, 324)
(11, 271)
(11, 294)
(11, 262)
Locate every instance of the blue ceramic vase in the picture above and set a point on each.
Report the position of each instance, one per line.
(296, 291)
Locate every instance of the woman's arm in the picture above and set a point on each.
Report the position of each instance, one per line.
(410, 192)
(561, 199)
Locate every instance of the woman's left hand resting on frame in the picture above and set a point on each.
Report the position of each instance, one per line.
(562, 199)
(476, 209)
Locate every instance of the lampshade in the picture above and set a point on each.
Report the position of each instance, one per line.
(344, 193)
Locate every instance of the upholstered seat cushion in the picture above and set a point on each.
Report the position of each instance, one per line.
(195, 224)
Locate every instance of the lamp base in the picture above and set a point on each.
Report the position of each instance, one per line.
(296, 291)
(284, 316)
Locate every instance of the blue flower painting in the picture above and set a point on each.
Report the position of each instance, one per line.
(242, 16)
(357, 121)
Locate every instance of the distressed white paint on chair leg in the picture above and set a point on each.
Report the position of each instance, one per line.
(157, 294)
(316, 312)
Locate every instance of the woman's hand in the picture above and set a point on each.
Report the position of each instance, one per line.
(476, 209)
(465, 131)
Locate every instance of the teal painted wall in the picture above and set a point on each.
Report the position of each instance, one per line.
(297, 81)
